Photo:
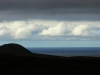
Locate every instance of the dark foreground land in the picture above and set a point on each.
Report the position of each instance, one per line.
(15, 59)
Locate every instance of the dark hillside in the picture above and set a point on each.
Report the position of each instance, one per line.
(14, 49)
(12, 62)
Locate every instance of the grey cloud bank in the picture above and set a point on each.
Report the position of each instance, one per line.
(43, 4)
(49, 9)
(52, 6)
(46, 15)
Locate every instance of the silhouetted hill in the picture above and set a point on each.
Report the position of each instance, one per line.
(18, 50)
(14, 49)
(15, 59)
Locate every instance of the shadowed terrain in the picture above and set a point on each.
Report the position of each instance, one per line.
(15, 59)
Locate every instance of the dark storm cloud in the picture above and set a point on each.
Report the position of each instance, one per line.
(49, 9)
(46, 4)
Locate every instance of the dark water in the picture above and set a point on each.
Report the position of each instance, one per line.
(68, 51)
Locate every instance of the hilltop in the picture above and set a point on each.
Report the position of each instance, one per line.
(14, 49)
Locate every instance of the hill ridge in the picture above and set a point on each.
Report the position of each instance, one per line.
(14, 49)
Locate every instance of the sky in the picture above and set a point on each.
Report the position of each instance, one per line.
(50, 23)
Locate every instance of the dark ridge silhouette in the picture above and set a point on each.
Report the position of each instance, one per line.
(14, 49)
(15, 59)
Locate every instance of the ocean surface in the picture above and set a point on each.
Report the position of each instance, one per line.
(67, 51)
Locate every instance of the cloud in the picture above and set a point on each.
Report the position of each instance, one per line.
(58, 30)
(49, 9)
(61, 31)
(80, 30)
(47, 4)
(68, 31)
(19, 29)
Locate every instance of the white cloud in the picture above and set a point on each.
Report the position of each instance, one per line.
(61, 31)
(45, 22)
(65, 30)
(80, 30)
(18, 29)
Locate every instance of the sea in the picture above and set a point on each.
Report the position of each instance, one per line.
(67, 51)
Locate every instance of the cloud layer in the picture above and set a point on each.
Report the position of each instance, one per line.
(65, 29)
(49, 9)
(61, 31)
(45, 4)
(18, 29)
